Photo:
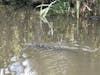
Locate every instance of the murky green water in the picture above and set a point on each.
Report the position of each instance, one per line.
(18, 28)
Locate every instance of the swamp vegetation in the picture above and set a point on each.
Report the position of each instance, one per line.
(49, 37)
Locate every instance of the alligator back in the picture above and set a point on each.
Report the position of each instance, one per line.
(60, 47)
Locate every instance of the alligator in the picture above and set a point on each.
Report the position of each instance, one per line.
(60, 47)
(94, 18)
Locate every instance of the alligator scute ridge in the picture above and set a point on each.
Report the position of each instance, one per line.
(59, 47)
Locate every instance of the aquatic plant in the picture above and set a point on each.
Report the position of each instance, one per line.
(43, 12)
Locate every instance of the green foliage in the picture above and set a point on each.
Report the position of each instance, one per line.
(60, 7)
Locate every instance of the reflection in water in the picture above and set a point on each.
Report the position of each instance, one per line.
(20, 27)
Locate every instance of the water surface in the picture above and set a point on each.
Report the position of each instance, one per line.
(20, 27)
